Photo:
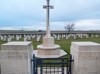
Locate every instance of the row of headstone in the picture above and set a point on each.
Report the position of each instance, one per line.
(9, 38)
(5, 38)
(67, 36)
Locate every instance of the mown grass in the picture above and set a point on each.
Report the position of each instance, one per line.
(65, 44)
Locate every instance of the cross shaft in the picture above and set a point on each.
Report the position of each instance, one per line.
(47, 7)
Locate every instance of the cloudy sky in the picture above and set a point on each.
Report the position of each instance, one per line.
(30, 15)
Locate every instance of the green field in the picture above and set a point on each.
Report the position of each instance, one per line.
(65, 44)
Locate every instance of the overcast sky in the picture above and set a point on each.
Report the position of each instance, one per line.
(30, 15)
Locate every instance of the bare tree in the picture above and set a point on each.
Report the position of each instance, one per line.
(69, 27)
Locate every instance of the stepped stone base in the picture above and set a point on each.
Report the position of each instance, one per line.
(48, 49)
(54, 50)
(62, 53)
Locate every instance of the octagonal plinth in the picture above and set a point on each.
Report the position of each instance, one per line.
(54, 50)
(48, 49)
(62, 53)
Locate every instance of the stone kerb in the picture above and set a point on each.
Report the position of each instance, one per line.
(86, 57)
(16, 58)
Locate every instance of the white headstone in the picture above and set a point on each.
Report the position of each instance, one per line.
(17, 37)
(62, 36)
(1, 37)
(58, 38)
(28, 37)
(38, 38)
(87, 36)
(25, 38)
(96, 35)
(5, 38)
(12, 36)
(20, 36)
(33, 36)
(54, 36)
(80, 35)
(66, 36)
(74, 36)
(92, 35)
(8, 39)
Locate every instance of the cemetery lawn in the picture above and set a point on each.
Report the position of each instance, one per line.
(65, 44)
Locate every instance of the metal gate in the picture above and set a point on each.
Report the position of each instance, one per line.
(51, 65)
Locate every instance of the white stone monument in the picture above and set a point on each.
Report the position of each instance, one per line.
(86, 57)
(48, 49)
(15, 58)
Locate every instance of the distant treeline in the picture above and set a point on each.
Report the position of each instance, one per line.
(52, 32)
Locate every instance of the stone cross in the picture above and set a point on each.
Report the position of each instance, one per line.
(47, 7)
